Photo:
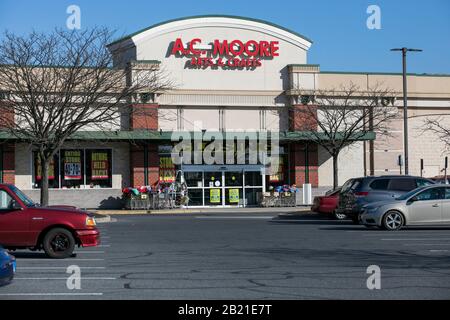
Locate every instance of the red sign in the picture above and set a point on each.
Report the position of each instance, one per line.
(226, 54)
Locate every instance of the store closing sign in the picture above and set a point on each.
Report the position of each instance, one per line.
(99, 164)
(72, 165)
(226, 54)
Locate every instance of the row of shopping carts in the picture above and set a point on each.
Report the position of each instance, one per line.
(154, 201)
(280, 199)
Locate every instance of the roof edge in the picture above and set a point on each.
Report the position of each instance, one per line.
(209, 16)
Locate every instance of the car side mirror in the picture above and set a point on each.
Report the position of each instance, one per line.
(15, 205)
(412, 200)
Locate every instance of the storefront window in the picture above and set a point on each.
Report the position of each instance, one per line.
(213, 179)
(77, 168)
(98, 168)
(233, 179)
(194, 179)
(195, 197)
(253, 178)
(53, 172)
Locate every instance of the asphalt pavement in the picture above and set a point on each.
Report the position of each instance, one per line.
(241, 256)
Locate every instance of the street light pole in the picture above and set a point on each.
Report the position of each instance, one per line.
(405, 105)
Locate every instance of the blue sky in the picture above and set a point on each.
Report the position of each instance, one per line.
(342, 42)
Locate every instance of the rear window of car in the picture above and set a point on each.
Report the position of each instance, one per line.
(402, 184)
(350, 185)
(379, 184)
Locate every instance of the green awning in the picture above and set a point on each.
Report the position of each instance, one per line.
(145, 135)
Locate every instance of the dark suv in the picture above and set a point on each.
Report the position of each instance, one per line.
(359, 191)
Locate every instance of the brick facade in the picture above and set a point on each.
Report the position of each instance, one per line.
(137, 163)
(297, 161)
(303, 117)
(8, 162)
(144, 116)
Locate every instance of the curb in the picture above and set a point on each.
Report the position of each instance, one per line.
(291, 211)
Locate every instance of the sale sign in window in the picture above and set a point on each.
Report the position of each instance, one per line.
(166, 170)
(72, 164)
(99, 166)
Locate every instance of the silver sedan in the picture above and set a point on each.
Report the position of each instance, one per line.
(428, 205)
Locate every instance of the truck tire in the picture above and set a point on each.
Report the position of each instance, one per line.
(58, 243)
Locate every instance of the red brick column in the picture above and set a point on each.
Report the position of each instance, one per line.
(297, 167)
(153, 164)
(303, 118)
(137, 163)
(144, 116)
(137, 166)
(8, 169)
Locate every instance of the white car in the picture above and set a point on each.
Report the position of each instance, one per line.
(429, 205)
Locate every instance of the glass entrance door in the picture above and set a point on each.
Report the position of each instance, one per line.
(213, 188)
(224, 188)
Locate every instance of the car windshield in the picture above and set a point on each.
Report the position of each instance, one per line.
(22, 196)
(409, 194)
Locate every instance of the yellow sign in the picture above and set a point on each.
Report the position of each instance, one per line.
(214, 196)
(166, 169)
(278, 176)
(234, 196)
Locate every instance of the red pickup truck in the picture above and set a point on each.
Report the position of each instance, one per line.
(54, 229)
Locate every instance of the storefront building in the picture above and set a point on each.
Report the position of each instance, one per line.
(231, 75)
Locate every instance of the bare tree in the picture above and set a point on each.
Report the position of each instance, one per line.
(337, 118)
(59, 83)
(436, 124)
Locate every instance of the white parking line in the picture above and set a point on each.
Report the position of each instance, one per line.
(417, 239)
(59, 260)
(425, 244)
(53, 294)
(89, 251)
(236, 217)
(438, 250)
(55, 268)
(65, 278)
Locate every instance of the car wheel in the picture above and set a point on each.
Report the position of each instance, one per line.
(339, 216)
(393, 220)
(59, 243)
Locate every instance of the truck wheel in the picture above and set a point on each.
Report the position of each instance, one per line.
(58, 243)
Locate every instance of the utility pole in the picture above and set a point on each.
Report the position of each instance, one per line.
(405, 104)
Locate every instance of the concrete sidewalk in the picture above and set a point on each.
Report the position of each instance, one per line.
(278, 210)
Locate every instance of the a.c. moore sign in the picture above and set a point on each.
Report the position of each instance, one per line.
(227, 54)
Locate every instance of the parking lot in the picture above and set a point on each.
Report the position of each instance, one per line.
(242, 256)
